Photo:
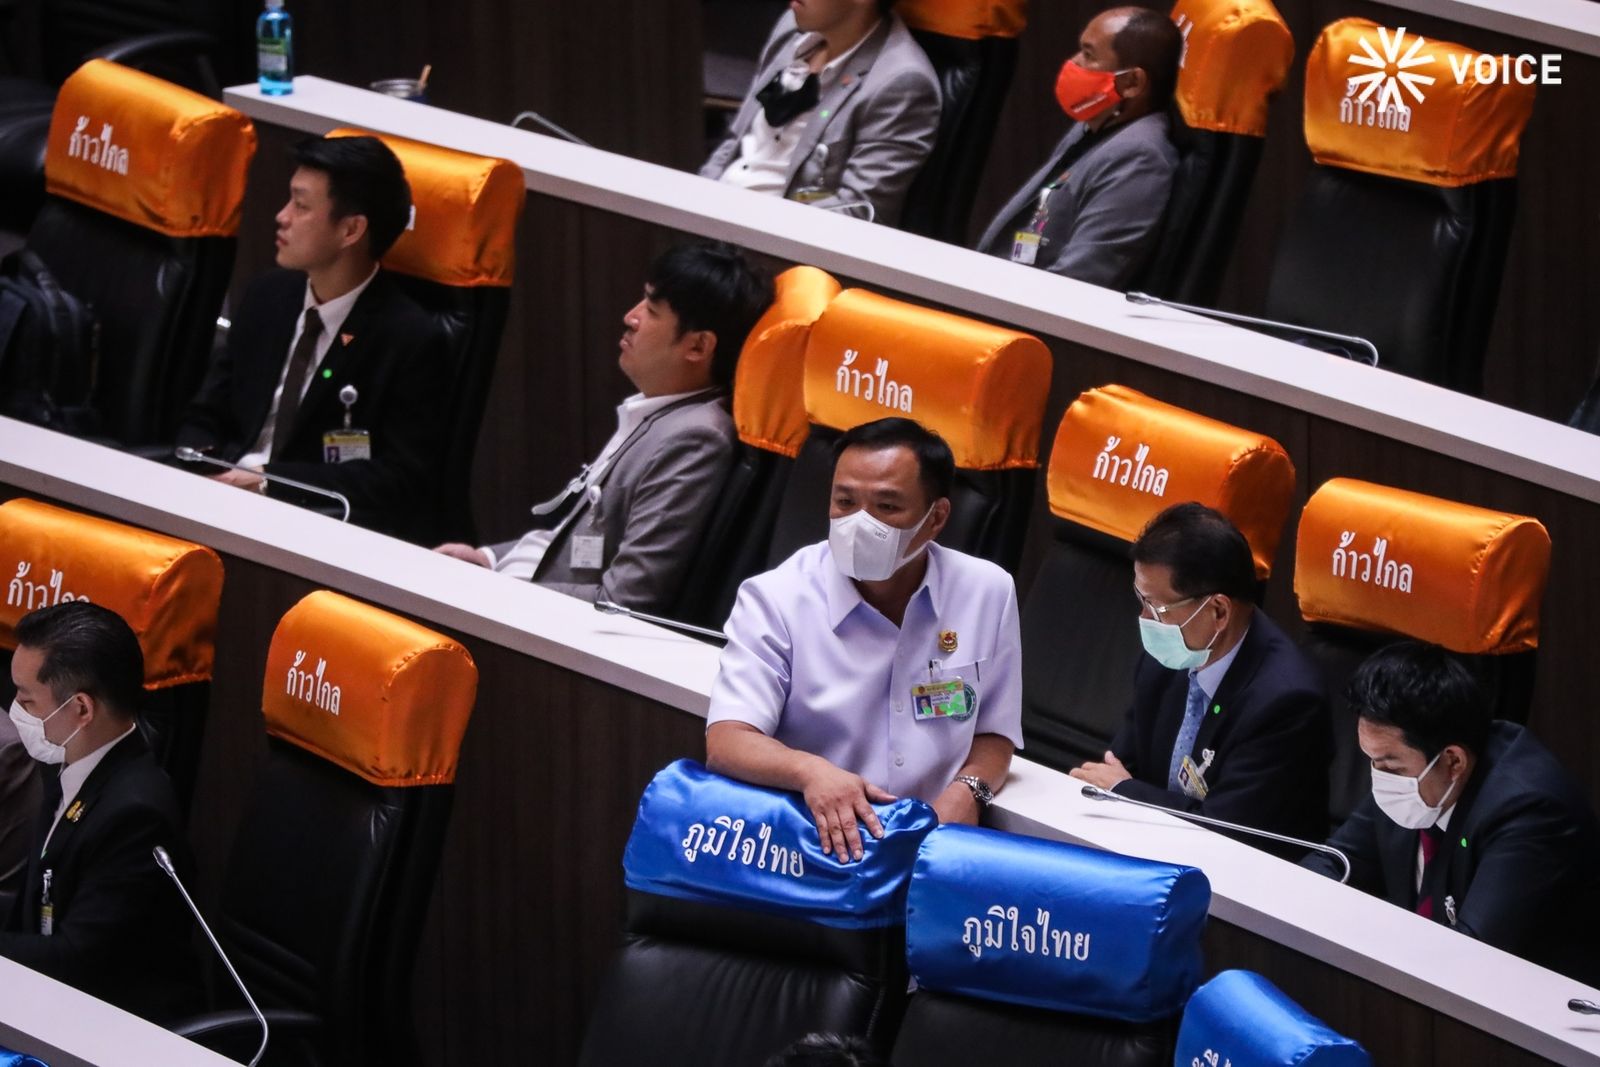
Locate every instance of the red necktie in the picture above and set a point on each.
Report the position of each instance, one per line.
(1429, 841)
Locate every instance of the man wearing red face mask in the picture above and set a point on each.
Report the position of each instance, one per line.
(1091, 211)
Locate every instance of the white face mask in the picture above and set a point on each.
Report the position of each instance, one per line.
(1164, 641)
(31, 731)
(1400, 797)
(868, 549)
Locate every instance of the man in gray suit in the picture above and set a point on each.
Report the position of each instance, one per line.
(625, 527)
(1092, 211)
(842, 112)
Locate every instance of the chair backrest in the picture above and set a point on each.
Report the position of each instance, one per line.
(972, 45)
(70, 30)
(1242, 1019)
(979, 386)
(1056, 953)
(1400, 235)
(149, 177)
(1374, 563)
(742, 935)
(457, 260)
(1236, 56)
(1119, 459)
(167, 591)
(338, 848)
(769, 413)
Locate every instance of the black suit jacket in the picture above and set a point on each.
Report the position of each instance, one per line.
(121, 931)
(1270, 739)
(1520, 860)
(388, 349)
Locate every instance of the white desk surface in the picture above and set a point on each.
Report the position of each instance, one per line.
(1453, 974)
(1489, 435)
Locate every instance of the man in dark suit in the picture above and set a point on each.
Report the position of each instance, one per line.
(332, 323)
(627, 526)
(95, 911)
(1471, 823)
(1092, 210)
(1229, 720)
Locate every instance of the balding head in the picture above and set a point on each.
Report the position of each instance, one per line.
(1142, 41)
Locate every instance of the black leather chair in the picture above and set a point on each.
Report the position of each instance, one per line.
(973, 49)
(1375, 564)
(167, 590)
(981, 387)
(769, 413)
(457, 262)
(1586, 416)
(172, 39)
(1236, 57)
(1400, 234)
(168, 226)
(1080, 641)
(338, 847)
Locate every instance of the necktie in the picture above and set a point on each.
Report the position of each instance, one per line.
(1194, 710)
(294, 381)
(1428, 840)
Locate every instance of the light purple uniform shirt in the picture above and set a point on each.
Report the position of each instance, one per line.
(810, 663)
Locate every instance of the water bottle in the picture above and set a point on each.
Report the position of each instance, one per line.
(275, 50)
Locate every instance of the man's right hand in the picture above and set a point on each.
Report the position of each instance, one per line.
(465, 553)
(841, 802)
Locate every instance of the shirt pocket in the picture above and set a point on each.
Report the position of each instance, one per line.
(970, 673)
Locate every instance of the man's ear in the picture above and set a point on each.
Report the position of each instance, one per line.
(941, 516)
(700, 346)
(352, 228)
(1134, 84)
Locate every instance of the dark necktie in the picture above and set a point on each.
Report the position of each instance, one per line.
(1429, 841)
(294, 381)
(782, 106)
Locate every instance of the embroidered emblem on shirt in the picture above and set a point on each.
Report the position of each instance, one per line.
(947, 641)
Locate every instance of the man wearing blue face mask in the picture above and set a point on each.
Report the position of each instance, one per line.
(876, 663)
(94, 910)
(1471, 823)
(1228, 719)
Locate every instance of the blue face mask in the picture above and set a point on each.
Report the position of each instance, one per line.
(1165, 644)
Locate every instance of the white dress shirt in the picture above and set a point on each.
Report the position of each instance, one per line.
(524, 557)
(812, 664)
(333, 313)
(765, 152)
(73, 775)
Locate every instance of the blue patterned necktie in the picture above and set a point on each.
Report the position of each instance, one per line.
(1194, 710)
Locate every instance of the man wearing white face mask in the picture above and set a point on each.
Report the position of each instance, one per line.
(877, 663)
(1471, 823)
(95, 911)
(1228, 718)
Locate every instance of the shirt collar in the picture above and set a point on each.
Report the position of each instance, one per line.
(74, 774)
(334, 312)
(843, 597)
(1210, 676)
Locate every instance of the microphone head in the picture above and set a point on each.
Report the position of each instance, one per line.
(187, 454)
(163, 860)
(606, 607)
(1587, 1007)
(1094, 792)
(1140, 298)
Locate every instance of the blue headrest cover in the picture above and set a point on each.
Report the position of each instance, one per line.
(1028, 921)
(1242, 1019)
(700, 836)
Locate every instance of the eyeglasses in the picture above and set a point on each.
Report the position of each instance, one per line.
(1158, 611)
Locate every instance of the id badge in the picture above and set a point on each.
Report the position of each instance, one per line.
(47, 919)
(1025, 247)
(941, 700)
(1192, 780)
(342, 446)
(587, 552)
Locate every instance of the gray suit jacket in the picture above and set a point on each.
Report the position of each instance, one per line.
(871, 130)
(1103, 219)
(654, 499)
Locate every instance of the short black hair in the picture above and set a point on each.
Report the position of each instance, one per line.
(827, 1050)
(711, 286)
(1425, 691)
(87, 649)
(936, 465)
(1205, 551)
(364, 178)
(1152, 42)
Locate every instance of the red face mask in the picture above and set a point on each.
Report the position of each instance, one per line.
(1084, 93)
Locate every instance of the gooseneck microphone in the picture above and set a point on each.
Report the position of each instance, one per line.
(609, 608)
(1583, 1007)
(194, 455)
(1266, 324)
(164, 861)
(1094, 792)
(564, 134)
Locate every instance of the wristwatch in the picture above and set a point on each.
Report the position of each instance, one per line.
(980, 789)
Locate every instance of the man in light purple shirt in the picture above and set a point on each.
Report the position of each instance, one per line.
(877, 663)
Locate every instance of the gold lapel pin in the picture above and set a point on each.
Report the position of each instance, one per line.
(74, 811)
(947, 641)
